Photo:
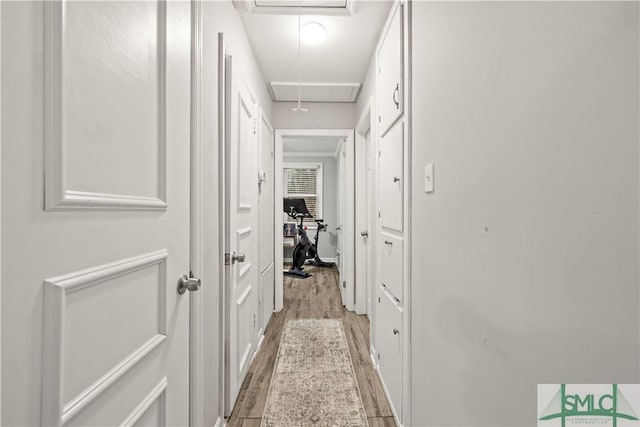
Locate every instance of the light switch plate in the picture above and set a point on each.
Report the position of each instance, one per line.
(428, 178)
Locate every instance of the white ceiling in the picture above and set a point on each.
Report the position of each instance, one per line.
(316, 145)
(344, 56)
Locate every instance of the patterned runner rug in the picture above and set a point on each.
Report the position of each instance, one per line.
(313, 382)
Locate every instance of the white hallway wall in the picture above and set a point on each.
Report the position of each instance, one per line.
(327, 239)
(525, 259)
(219, 16)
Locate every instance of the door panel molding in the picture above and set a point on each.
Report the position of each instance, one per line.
(243, 349)
(55, 412)
(58, 195)
(157, 394)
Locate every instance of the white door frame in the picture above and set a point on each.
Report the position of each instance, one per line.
(222, 326)
(348, 228)
(0, 206)
(197, 239)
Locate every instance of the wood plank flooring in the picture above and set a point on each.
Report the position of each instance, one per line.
(315, 297)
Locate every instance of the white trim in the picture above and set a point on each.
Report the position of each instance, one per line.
(365, 125)
(388, 396)
(55, 412)
(374, 356)
(336, 153)
(196, 232)
(156, 394)
(223, 367)
(348, 228)
(57, 195)
(219, 422)
(278, 205)
(408, 173)
(0, 206)
(326, 154)
(347, 257)
(260, 341)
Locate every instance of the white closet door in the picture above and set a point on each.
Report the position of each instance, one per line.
(391, 178)
(390, 337)
(390, 82)
(266, 218)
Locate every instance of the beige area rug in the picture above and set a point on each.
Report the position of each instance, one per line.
(313, 382)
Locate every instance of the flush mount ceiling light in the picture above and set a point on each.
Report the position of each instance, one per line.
(312, 33)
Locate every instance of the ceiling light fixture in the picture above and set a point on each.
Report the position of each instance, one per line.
(299, 107)
(313, 33)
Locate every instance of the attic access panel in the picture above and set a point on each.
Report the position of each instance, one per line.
(315, 92)
(303, 3)
(290, 7)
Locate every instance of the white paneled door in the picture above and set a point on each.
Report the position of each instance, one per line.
(94, 331)
(266, 211)
(342, 218)
(241, 198)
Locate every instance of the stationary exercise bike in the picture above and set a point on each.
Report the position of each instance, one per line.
(304, 249)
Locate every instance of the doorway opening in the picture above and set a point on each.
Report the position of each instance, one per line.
(316, 165)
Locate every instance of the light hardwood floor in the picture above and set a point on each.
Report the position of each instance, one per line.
(315, 297)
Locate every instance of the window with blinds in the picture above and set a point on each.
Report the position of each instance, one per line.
(304, 181)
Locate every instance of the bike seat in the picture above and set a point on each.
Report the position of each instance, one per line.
(319, 220)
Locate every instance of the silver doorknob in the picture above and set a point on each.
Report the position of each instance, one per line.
(338, 228)
(364, 233)
(186, 283)
(396, 179)
(395, 331)
(233, 258)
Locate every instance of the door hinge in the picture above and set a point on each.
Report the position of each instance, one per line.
(379, 153)
(254, 126)
(378, 214)
(378, 356)
(227, 259)
(380, 119)
(379, 300)
(344, 285)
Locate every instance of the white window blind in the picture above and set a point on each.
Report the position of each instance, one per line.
(304, 181)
